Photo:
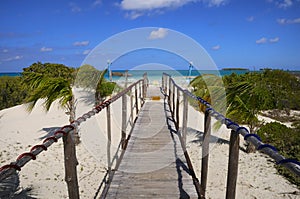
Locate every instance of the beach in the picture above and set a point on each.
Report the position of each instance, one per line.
(20, 130)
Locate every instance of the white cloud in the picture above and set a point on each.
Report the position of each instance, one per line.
(217, 47)
(215, 3)
(44, 49)
(74, 7)
(283, 21)
(86, 52)
(250, 19)
(283, 3)
(262, 40)
(81, 43)
(97, 3)
(134, 15)
(4, 50)
(159, 4)
(140, 7)
(158, 34)
(151, 4)
(17, 57)
(274, 40)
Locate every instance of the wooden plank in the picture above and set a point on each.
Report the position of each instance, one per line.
(153, 165)
(154, 91)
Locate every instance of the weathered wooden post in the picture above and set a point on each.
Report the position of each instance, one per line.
(183, 145)
(108, 139)
(184, 120)
(169, 97)
(177, 109)
(145, 85)
(131, 106)
(232, 165)
(136, 99)
(163, 82)
(173, 100)
(70, 166)
(126, 79)
(140, 93)
(124, 119)
(166, 84)
(205, 150)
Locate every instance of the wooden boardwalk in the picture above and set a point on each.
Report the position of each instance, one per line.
(153, 165)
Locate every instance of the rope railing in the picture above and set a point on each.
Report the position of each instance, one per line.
(24, 158)
(293, 165)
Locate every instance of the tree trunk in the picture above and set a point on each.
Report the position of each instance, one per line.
(76, 138)
(250, 148)
(98, 99)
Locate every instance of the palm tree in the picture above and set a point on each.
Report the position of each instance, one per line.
(51, 89)
(45, 85)
(88, 77)
(101, 81)
(241, 96)
(243, 105)
(210, 88)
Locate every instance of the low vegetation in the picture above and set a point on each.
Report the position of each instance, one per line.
(287, 142)
(18, 90)
(12, 92)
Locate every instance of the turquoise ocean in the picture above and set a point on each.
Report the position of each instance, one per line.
(156, 74)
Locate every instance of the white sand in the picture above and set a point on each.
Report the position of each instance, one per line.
(257, 175)
(20, 130)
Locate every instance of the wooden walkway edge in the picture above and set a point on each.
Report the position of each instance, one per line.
(153, 165)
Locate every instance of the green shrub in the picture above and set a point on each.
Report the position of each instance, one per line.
(11, 92)
(287, 141)
(107, 88)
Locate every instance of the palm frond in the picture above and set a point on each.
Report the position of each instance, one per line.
(101, 78)
(51, 89)
(9, 185)
(32, 80)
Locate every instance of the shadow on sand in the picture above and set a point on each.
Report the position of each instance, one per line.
(49, 132)
(213, 139)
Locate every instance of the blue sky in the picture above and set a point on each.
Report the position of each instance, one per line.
(235, 33)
